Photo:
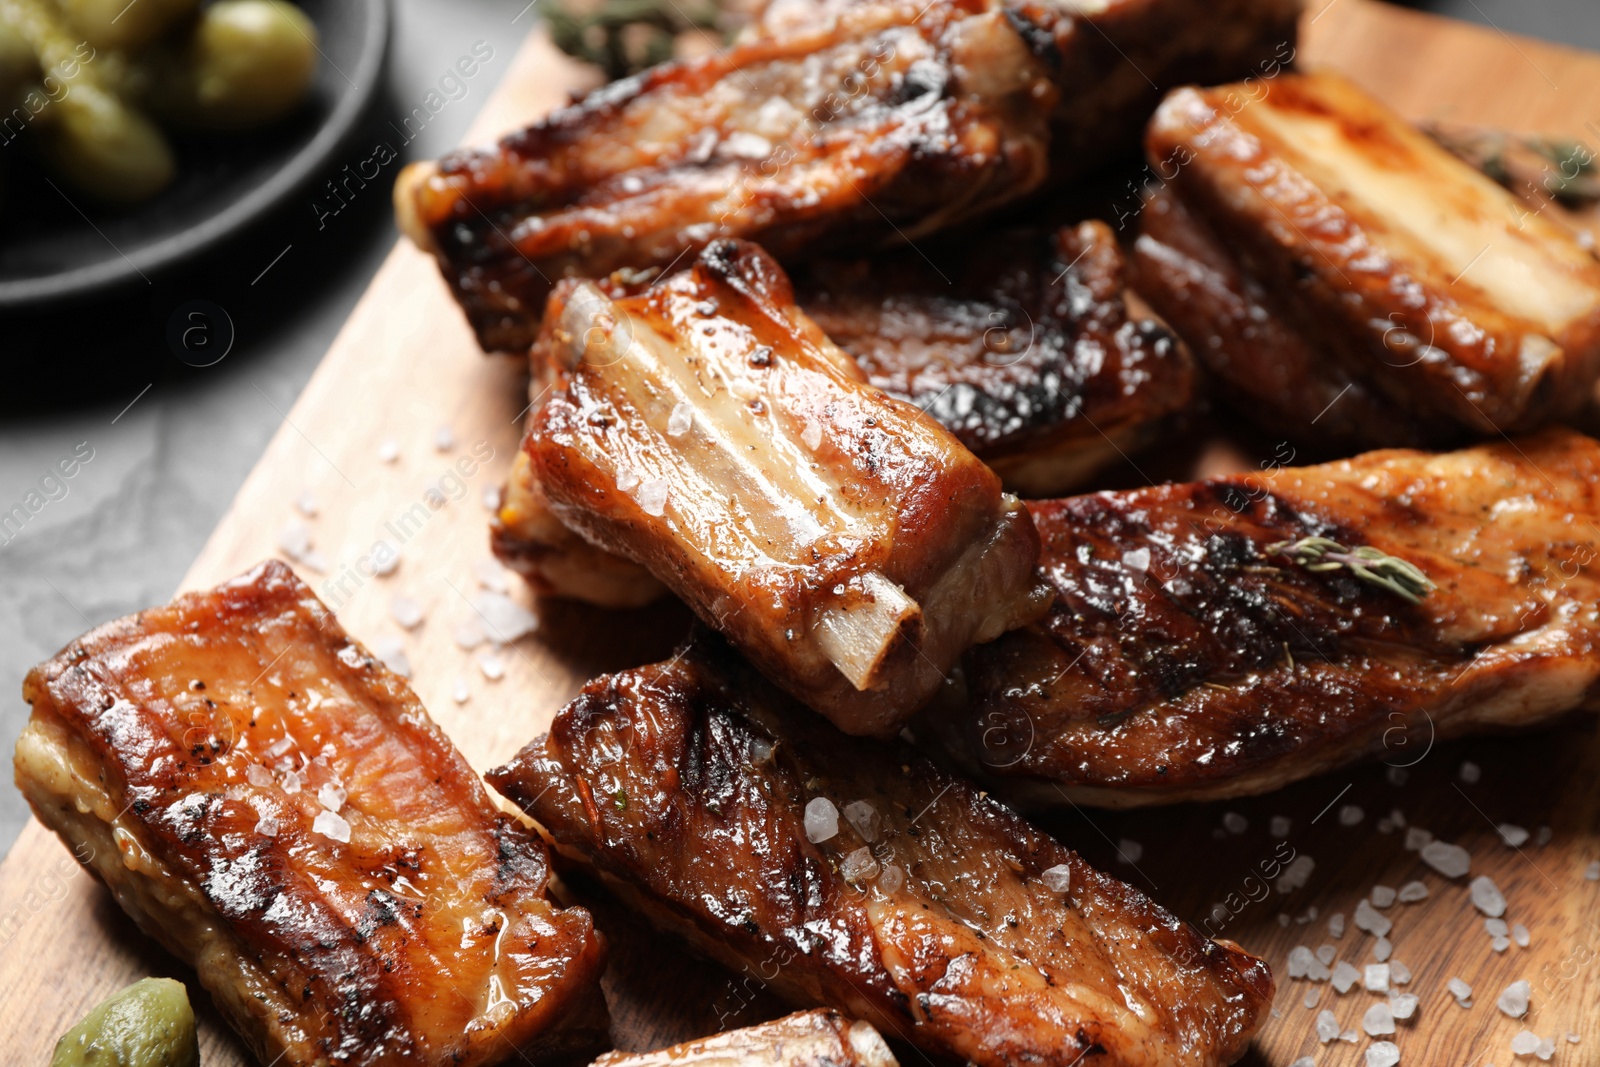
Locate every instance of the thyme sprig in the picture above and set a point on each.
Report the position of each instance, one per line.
(624, 37)
(1321, 554)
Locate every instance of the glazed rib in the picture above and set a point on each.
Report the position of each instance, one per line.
(844, 125)
(818, 1038)
(277, 809)
(1406, 271)
(930, 911)
(843, 540)
(1023, 344)
(1185, 659)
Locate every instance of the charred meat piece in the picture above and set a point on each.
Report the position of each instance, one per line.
(842, 539)
(1022, 344)
(1195, 650)
(1417, 277)
(848, 124)
(277, 809)
(851, 873)
(819, 1038)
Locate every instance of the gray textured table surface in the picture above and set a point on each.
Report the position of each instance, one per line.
(165, 468)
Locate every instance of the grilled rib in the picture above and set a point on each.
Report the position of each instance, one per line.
(840, 538)
(1022, 344)
(847, 124)
(277, 809)
(1404, 271)
(1184, 658)
(819, 1038)
(707, 800)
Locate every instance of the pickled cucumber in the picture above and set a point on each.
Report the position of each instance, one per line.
(148, 1024)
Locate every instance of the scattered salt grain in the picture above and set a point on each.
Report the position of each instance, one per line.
(331, 825)
(1525, 1043)
(492, 666)
(1283, 920)
(389, 450)
(1417, 838)
(1459, 989)
(627, 479)
(279, 747)
(491, 498)
(1345, 977)
(306, 503)
(331, 796)
(444, 439)
(1349, 1037)
(1592, 872)
(859, 866)
(822, 820)
(405, 611)
(267, 826)
(1279, 826)
(1496, 927)
(1403, 1005)
(295, 539)
(292, 783)
(1350, 815)
(1514, 1001)
(392, 651)
(1327, 953)
(1376, 979)
(385, 560)
(1129, 851)
(259, 776)
(1318, 971)
(1513, 835)
(1452, 861)
(1382, 949)
(1300, 960)
(681, 420)
(1137, 559)
(1313, 995)
(1304, 1061)
(1336, 925)
(1546, 1049)
(1381, 896)
(1235, 823)
(1399, 973)
(1520, 935)
(1543, 836)
(1386, 825)
(811, 436)
(1327, 1026)
(1500, 943)
(1378, 1020)
(1057, 879)
(1469, 772)
(866, 821)
(652, 496)
(1486, 896)
(1572, 1037)
(491, 575)
(1397, 817)
(1383, 1054)
(1296, 874)
(891, 879)
(504, 620)
(468, 633)
(1412, 892)
(1398, 776)
(462, 692)
(1371, 920)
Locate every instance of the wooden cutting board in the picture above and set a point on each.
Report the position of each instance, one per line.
(405, 367)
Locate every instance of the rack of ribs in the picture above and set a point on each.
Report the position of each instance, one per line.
(861, 123)
(849, 873)
(1197, 650)
(275, 808)
(1319, 253)
(842, 539)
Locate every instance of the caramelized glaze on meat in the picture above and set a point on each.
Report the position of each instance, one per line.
(840, 538)
(1418, 277)
(838, 125)
(933, 912)
(819, 1038)
(1182, 659)
(276, 808)
(1022, 344)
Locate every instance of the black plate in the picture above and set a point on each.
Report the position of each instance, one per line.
(53, 248)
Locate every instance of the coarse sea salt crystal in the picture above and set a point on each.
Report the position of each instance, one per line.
(503, 618)
(1486, 896)
(866, 821)
(385, 563)
(258, 776)
(1515, 836)
(405, 611)
(306, 503)
(1382, 949)
(1500, 943)
(1350, 815)
(1399, 973)
(1417, 838)
(891, 879)
(332, 826)
(811, 436)
(1304, 1061)
(822, 820)
(1514, 1000)
(462, 690)
(1327, 953)
(1318, 971)
(292, 782)
(389, 450)
(1459, 989)
(1546, 1049)
(1543, 836)
(1300, 960)
(1382, 896)
(1378, 1020)
(1313, 995)
(1398, 776)
(681, 421)
(1592, 872)
(1403, 1005)
(444, 439)
(1469, 772)
(627, 478)
(1279, 826)
(1129, 851)
(1524, 1043)
(652, 496)
(491, 498)
(492, 666)
(468, 633)
(1496, 927)
(331, 796)
(1412, 892)
(1235, 823)
(491, 575)
(859, 866)
(295, 539)
(1350, 1037)
(267, 826)
(1375, 978)
(1296, 874)
(392, 651)
(1372, 921)
(1336, 925)
(1057, 879)
(1345, 977)
(1520, 935)
(1327, 1026)
(1383, 1054)
(1136, 559)
(1452, 861)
